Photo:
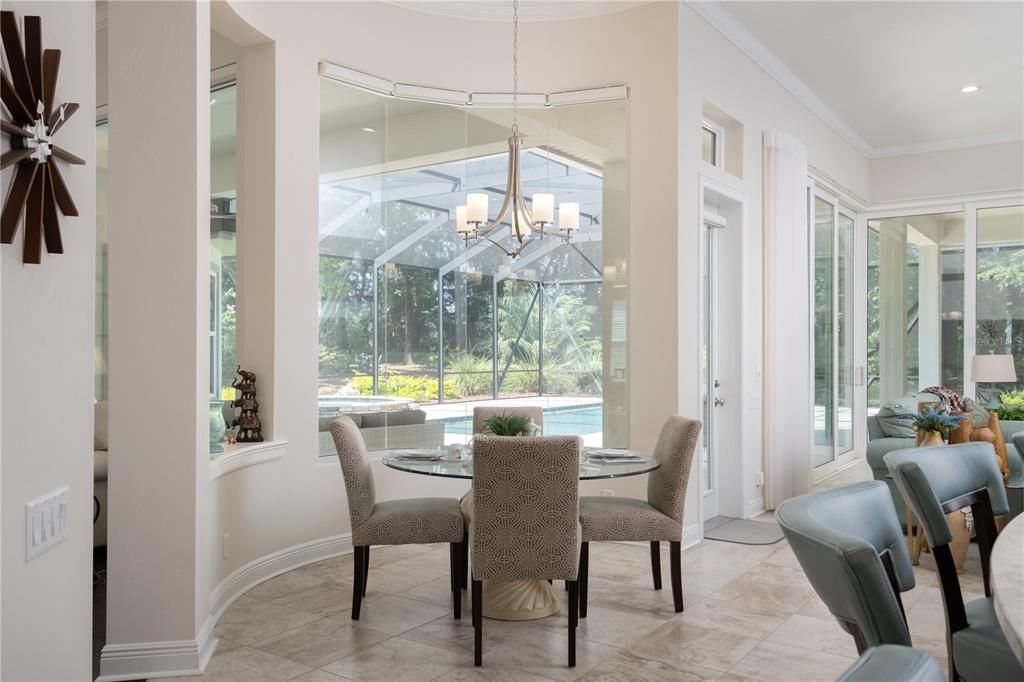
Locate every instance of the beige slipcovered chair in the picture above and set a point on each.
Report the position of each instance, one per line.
(397, 522)
(660, 517)
(525, 518)
(482, 414)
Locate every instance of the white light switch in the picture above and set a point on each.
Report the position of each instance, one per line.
(46, 522)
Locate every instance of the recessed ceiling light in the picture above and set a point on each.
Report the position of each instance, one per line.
(369, 130)
(968, 89)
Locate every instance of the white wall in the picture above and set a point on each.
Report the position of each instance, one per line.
(712, 68)
(952, 172)
(47, 389)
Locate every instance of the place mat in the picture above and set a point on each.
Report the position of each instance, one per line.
(742, 531)
(422, 455)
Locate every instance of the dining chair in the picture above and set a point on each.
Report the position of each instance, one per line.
(656, 519)
(525, 518)
(415, 521)
(937, 481)
(851, 547)
(482, 414)
(893, 663)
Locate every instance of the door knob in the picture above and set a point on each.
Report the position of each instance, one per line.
(719, 402)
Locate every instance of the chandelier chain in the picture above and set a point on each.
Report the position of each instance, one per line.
(515, 68)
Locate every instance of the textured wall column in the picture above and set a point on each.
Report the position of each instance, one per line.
(159, 298)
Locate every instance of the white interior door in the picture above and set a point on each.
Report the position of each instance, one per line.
(711, 398)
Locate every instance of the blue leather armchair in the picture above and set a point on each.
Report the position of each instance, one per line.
(851, 547)
(893, 663)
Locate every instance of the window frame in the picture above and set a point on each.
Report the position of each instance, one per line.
(719, 148)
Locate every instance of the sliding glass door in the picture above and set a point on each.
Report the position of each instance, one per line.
(832, 234)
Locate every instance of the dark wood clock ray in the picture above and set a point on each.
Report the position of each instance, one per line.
(38, 188)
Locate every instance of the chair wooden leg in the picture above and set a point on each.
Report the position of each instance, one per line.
(584, 570)
(452, 549)
(478, 634)
(357, 582)
(366, 569)
(465, 560)
(656, 564)
(574, 610)
(675, 558)
(456, 552)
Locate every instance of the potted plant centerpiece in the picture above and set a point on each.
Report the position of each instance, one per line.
(510, 425)
(934, 425)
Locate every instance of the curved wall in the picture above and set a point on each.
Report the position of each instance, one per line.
(297, 501)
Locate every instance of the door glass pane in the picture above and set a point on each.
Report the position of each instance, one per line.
(709, 139)
(824, 414)
(844, 333)
(915, 305)
(1000, 294)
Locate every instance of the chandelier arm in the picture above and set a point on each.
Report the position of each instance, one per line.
(499, 247)
(507, 201)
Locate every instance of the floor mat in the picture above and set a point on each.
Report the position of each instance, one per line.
(742, 531)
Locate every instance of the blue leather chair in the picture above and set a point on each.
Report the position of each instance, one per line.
(892, 663)
(937, 481)
(850, 545)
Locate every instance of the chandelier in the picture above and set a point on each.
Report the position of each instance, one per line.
(528, 223)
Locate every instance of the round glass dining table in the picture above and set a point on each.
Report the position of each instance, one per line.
(508, 599)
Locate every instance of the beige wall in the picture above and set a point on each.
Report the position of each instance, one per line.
(47, 388)
(952, 172)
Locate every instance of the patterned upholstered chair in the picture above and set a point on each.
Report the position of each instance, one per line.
(851, 547)
(525, 518)
(936, 481)
(657, 519)
(894, 663)
(397, 522)
(482, 414)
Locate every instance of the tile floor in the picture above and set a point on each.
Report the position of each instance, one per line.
(750, 614)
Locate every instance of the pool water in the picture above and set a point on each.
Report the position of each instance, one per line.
(559, 421)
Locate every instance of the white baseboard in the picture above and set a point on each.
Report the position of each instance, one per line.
(142, 660)
(754, 507)
(253, 573)
(692, 535)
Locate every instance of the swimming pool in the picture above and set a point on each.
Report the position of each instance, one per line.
(558, 421)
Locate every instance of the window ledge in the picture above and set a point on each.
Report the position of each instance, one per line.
(244, 455)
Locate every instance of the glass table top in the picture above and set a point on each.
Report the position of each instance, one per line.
(440, 461)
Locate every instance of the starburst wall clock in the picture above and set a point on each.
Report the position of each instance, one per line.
(38, 188)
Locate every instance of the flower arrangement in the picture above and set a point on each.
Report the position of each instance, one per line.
(939, 421)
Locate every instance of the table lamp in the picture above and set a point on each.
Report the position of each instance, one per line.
(992, 369)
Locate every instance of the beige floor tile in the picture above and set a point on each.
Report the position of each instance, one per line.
(489, 673)
(286, 585)
(544, 652)
(318, 676)
(437, 591)
(386, 580)
(457, 635)
(396, 659)
(748, 593)
(389, 554)
(340, 568)
(606, 626)
(815, 634)
(681, 644)
(816, 608)
(247, 664)
(435, 561)
(722, 615)
(249, 620)
(394, 615)
(626, 596)
(770, 661)
(318, 643)
(329, 598)
(773, 574)
(627, 667)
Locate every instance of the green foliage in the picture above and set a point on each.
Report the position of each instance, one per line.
(1010, 414)
(418, 387)
(506, 424)
(468, 374)
(940, 420)
(521, 377)
(1012, 399)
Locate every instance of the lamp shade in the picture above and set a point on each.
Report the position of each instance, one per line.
(990, 369)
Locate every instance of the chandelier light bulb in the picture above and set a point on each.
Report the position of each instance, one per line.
(462, 226)
(476, 208)
(543, 208)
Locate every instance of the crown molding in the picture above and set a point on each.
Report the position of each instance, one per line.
(738, 34)
(533, 10)
(946, 145)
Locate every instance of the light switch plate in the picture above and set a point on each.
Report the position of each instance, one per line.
(46, 522)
